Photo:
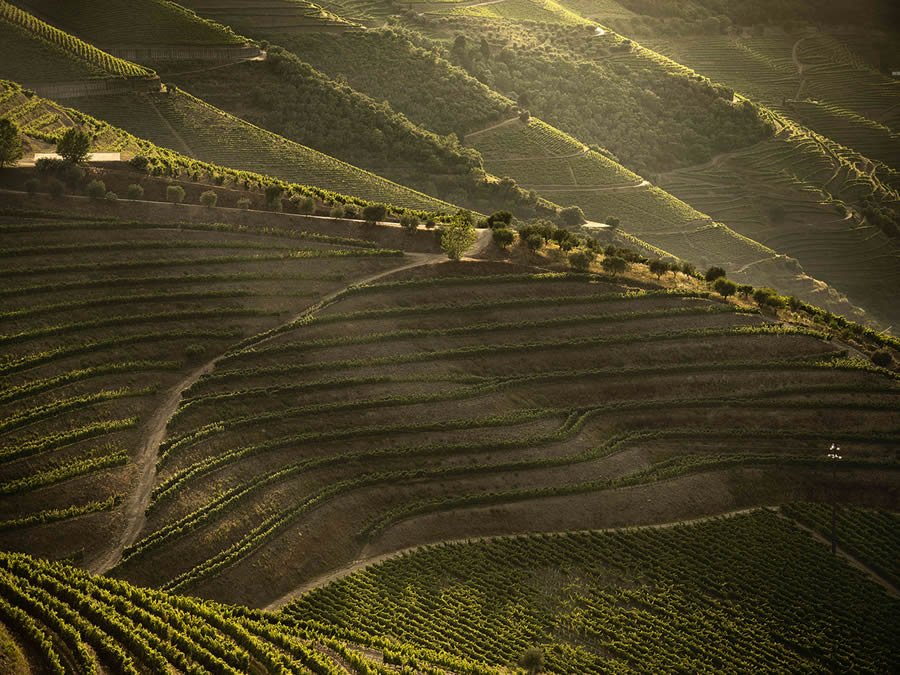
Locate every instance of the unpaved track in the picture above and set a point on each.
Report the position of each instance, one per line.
(362, 563)
(841, 553)
(134, 511)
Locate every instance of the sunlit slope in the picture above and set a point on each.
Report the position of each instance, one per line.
(119, 23)
(33, 51)
(602, 602)
(99, 321)
(815, 79)
(270, 16)
(444, 391)
(67, 621)
(554, 164)
(199, 130)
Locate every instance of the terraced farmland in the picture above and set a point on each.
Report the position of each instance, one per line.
(133, 22)
(26, 40)
(270, 16)
(782, 194)
(99, 326)
(197, 129)
(67, 621)
(599, 602)
(422, 399)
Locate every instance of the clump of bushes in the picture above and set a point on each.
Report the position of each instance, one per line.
(209, 198)
(96, 189)
(135, 191)
(175, 194)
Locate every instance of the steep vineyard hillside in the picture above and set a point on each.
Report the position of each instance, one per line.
(476, 384)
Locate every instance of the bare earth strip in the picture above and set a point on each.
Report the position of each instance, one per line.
(137, 502)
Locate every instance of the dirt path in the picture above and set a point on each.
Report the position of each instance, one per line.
(362, 563)
(504, 123)
(184, 146)
(639, 185)
(134, 511)
(795, 57)
(853, 562)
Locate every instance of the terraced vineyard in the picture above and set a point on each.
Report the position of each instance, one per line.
(270, 16)
(100, 325)
(27, 40)
(71, 622)
(133, 22)
(869, 535)
(219, 138)
(400, 402)
(784, 193)
(598, 602)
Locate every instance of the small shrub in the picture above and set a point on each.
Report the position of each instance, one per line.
(96, 189)
(429, 224)
(175, 194)
(73, 175)
(307, 205)
(31, 185)
(409, 222)
(243, 203)
(209, 198)
(503, 237)
(372, 213)
(572, 216)
(499, 219)
(48, 164)
(714, 273)
(745, 290)
(337, 211)
(55, 187)
(532, 660)
(614, 264)
(139, 162)
(580, 261)
(882, 358)
(688, 269)
(111, 196)
(350, 211)
(135, 191)
(534, 242)
(725, 287)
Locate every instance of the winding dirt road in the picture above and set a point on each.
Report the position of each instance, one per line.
(134, 509)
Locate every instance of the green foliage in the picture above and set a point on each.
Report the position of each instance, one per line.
(576, 590)
(580, 261)
(306, 205)
(714, 273)
(572, 216)
(74, 145)
(883, 358)
(96, 189)
(135, 191)
(373, 213)
(209, 198)
(111, 196)
(175, 194)
(499, 219)
(658, 267)
(409, 222)
(724, 287)
(10, 143)
(745, 290)
(243, 203)
(533, 241)
(532, 660)
(614, 264)
(458, 236)
(503, 237)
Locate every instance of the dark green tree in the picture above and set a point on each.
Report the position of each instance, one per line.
(725, 287)
(372, 213)
(10, 143)
(74, 145)
(614, 264)
(714, 273)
